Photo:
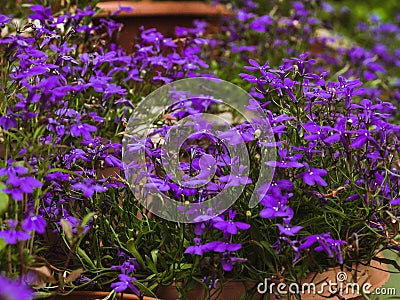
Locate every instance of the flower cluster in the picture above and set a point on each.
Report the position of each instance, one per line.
(325, 135)
(66, 94)
(225, 247)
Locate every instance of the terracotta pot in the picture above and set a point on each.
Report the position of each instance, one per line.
(235, 290)
(170, 292)
(88, 295)
(227, 290)
(375, 275)
(164, 16)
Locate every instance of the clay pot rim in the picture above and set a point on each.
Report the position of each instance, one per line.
(375, 272)
(164, 8)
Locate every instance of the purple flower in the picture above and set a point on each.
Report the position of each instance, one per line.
(4, 20)
(316, 131)
(326, 243)
(293, 244)
(13, 170)
(198, 248)
(40, 13)
(218, 246)
(212, 282)
(199, 228)
(21, 185)
(235, 179)
(122, 9)
(179, 190)
(276, 203)
(256, 66)
(8, 122)
(88, 187)
(36, 223)
(128, 266)
(275, 209)
(83, 130)
(364, 136)
(12, 235)
(206, 164)
(314, 176)
(233, 136)
(395, 201)
(340, 133)
(261, 24)
(158, 184)
(10, 289)
(57, 176)
(113, 161)
(288, 230)
(286, 161)
(227, 261)
(124, 282)
(230, 226)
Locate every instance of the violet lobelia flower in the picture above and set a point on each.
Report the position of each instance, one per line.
(235, 136)
(326, 243)
(198, 248)
(395, 201)
(34, 223)
(364, 136)
(235, 179)
(285, 160)
(13, 235)
(222, 246)
(275, 208)
(227, 261)
(12, 290)
(261, 24)
(124, 282)
(314, 176)
(128, 266)
(88, 187)
(21, 185)
(288, 230)
(83, 130)
(13, 170)
(230, 226)
(4, 20)
(8, 122)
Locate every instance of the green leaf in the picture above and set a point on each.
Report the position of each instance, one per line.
(4, 200)
(62, 171)
(86, 219)
(154, 255)
(144, 289)
(3, 244)
(42, 295)
(130, 245)
(151, 265)
(82, 254)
